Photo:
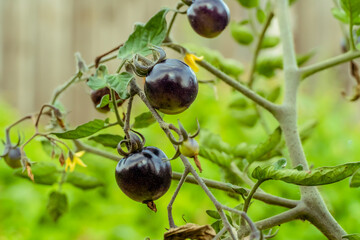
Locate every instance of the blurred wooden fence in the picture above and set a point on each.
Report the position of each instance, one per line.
(39, 37)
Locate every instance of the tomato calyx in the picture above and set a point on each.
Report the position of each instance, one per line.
(134, 142)
(141, 66)
(186, 145)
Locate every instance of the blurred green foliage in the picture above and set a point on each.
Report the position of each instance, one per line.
(106, 213)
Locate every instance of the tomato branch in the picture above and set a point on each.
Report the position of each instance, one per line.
(271, 107)
(317, 67)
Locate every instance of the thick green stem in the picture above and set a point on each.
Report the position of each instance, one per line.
(314, 208)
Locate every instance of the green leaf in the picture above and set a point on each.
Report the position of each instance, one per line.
(247, 118)
(144, 120)
(45, 173)
(83, 130)
(107, 140)
(229, 66)
(280, 164)
(83, 181)
(239, 102)
(307, 129)
(219, 158)
(355, 179)
(354, 236)
(318, 176)
(214, 141)
(119, 83)
(270, 42)
(49, 148)
(213, 214)
(241, 34)
(260, 15)
(216, 226)
(265, 147)
(57, 205)
(352, 9)
(98, 80)
(340, 15)
(241, 150)
(267, 65)
(249, 3)
(274, 94)
(299, 167)
(145, 36)
(239, 190)
(104, 101)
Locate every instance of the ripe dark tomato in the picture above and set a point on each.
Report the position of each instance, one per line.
(13, 157)
(96, 96)
(171, 86)
(208, 17)
(144, 176)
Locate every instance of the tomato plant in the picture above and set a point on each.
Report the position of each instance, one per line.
(169, 86)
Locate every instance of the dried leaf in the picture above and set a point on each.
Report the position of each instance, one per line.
(29, 172)
(62, 159)
(190, 231)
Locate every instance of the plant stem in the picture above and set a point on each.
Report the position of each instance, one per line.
(169, 207)
(277, 220)
(62, 180)
(255, 233)
(351, 35)
(173, 20)
(242, 175)
(127, 119)
(258, 48)
(62, 88)
(263, 102)
(264, 197)
(218, 205)
(164, 126)
(220, 233)
(82, 146)
(120, 122)
(14, 124)
(120, 67)
(251, 194)
(312, 204)
(317, 67)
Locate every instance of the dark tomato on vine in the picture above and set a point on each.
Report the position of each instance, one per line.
(171, 86)
(144, 176)
(13, 157)
(96, 96)
(208, 17)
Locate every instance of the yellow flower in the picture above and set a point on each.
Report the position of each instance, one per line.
(76, 160)
(191, 59)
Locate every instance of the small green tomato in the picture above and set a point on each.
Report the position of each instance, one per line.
(190, 148)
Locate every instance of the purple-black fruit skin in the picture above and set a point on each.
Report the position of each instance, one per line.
(208, 17)
(171, 86)
(144, 176)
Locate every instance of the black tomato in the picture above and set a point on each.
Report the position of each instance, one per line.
(144, 176)
(171, 86)
(208, 17)
(96, 96)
